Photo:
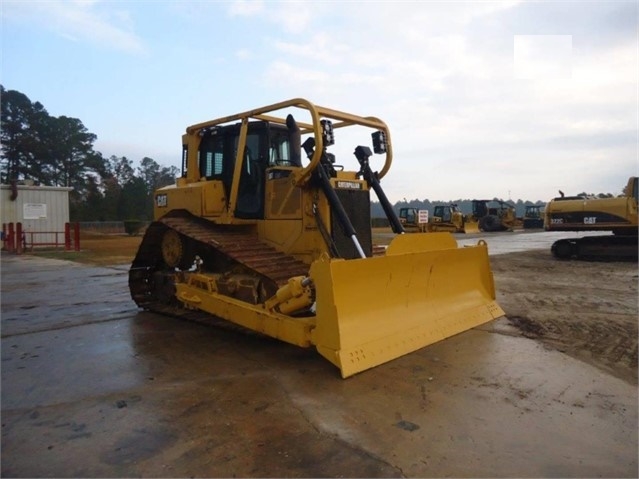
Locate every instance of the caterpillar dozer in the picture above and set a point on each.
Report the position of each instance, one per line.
(448, 218)
(580, 213)
(413, 220)
(257, 235)
(533, 217)
(494, 215)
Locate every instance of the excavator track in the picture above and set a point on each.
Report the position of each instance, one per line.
(597, 248)
(151, 281)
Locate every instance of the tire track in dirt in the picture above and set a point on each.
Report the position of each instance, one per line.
(588, 310)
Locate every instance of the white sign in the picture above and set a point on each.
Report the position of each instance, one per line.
(34, 211)
(422, 216)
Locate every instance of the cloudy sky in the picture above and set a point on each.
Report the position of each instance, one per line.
(483, 99)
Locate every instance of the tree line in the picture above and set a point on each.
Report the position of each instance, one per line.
(59, 151)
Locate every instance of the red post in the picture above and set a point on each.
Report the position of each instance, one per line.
(19, 238)
(76, 236)
(11, 240)
(67, 236)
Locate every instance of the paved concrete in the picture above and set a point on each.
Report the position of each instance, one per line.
(512, 241)
(521, 240)
(93, 387)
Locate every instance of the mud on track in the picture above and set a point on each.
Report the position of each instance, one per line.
(588, 310)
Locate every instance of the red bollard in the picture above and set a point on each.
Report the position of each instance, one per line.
(76, 236)
(67, 236)
(11, 240)
(19, 238)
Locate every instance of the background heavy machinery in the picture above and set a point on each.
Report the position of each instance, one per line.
(494, 215)
(533, 217)
(413, 220)
(257, 235)
(577, 213)
(448, 218)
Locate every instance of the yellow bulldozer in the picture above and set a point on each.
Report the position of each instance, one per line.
(533, 217)
(413, 220)
(494, 215)
(266, 230)
(448, 218)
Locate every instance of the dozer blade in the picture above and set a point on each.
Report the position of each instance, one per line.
(425, 289)
(471, 227)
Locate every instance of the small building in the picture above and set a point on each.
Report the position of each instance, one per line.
(42, 210)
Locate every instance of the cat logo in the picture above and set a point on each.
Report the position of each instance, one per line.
(161, 201)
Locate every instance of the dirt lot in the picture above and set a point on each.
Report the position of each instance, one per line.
(585, 309)
(588, 310)
(94, 387)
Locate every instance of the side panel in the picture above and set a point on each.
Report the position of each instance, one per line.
(283, 200)
(291, 224)
(214, 199)
(188, 197)
(357, 205)
(585, 215)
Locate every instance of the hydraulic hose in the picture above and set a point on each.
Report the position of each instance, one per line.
(362, 153)
(338, 208)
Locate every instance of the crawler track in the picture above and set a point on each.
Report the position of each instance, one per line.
(597, 248)
(151, 281)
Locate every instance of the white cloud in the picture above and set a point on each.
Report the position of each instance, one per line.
(291, 17)
(244, 8)
(542, 56)
(243, 54)
(441, 74)
(447, 86)
(80, 21)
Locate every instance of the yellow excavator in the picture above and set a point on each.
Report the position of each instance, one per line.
(582, 213)
(266, 230)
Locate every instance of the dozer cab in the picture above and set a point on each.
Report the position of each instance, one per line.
(413, 220)
(448, 218)
(533, 217)
(494, 215)
(267, 230)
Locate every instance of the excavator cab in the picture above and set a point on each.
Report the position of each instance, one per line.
(254, 234)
